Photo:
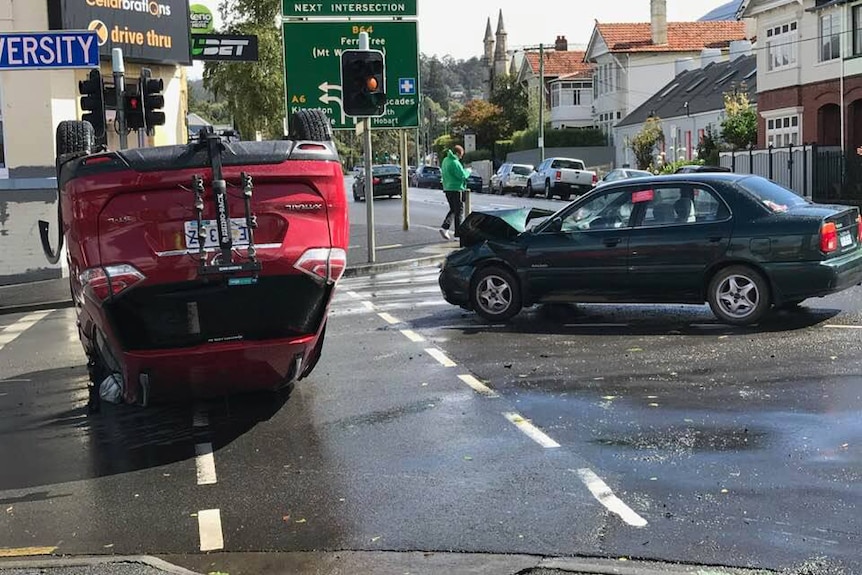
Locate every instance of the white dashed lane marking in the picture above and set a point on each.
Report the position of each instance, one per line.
(389, 319)
(412, 335)
(205, 464)
(440, 357)
(606, 497)
(209, 530)
(478, 386)
(531, 431)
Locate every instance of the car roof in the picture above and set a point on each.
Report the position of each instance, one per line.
(692, 177)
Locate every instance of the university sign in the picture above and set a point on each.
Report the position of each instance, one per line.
(23, 51)
(312, 56)
(224, 48)
(397, 8)
(146, 30)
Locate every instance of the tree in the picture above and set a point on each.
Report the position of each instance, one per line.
(483, 118)
(739, 127)
(253, 91)
(434, 84)
(511, 96)
(644, 142)
(708, 147)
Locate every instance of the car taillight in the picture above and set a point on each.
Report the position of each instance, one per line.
(828, 238)
(376, 181)
(108, 281)
(596, 179)
(859, 228)
(323, 264)
(559, 175)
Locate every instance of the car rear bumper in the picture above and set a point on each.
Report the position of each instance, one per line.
(801, 280)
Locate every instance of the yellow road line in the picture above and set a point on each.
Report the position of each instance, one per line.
(26, 551)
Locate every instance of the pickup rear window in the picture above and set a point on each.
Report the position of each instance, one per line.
(522, 170)
(567, 165)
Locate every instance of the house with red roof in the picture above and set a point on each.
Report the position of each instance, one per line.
(633, 61)
(568, 83)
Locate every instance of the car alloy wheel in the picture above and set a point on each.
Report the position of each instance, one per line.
(496, 294)
(739, 295)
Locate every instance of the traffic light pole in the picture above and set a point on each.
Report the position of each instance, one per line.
(405, 210)
(369, 194)
(119, 70)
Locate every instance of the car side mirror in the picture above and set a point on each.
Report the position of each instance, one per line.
(556, 225)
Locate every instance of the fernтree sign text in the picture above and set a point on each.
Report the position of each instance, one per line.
(146, 30)
(403, 8)
(49, 50)
(313, 68)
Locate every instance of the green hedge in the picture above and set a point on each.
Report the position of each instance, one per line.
(478, 155)
(568, 138)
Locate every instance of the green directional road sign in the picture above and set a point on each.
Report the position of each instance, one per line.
(374, 9)
(312, 56)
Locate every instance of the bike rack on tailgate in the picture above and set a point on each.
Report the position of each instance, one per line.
(224, 263)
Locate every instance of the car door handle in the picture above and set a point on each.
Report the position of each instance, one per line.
(612, 242)
(715, 239)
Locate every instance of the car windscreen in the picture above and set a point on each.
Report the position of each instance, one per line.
(522, 170)
(774, 197)
(387, 170)
(567, 165)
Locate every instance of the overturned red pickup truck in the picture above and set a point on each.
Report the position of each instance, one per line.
(202, 269)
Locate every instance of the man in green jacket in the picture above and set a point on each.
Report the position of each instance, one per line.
(454, 177)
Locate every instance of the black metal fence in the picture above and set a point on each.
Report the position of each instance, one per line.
(822, 173)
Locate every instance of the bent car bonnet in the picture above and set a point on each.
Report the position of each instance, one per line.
(505, 224)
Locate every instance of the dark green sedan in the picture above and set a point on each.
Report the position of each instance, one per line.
(742, 243)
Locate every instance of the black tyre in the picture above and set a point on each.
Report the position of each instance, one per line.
(311, 125)
(739, 295)
(75, 138)
(549, 191)
(529, 190)
(495, 294)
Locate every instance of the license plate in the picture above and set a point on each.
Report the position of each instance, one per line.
(238, 228)
(388, 181)
(846, 239)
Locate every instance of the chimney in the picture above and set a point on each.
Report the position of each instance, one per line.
(739, 48)
(658, 21)
(561, 44)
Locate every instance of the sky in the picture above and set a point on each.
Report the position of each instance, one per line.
(457, 27)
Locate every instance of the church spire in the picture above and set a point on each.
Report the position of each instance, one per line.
(501, 28)
(489, 36)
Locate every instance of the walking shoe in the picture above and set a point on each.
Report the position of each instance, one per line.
(447, 235)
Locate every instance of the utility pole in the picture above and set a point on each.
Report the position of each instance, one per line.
(119, 70)
(541, 103)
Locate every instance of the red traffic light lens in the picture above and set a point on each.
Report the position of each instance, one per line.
(371, 83)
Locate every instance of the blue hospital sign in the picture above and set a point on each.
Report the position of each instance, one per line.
(407, 86)
(40, 50)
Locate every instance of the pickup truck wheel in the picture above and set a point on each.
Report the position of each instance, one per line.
(529, 189)
(549, 192)
(311, 125)
(76, 138)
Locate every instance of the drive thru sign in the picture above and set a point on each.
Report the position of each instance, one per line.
(39, 50)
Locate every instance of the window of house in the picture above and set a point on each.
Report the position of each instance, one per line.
(857, 30)
(830, 36)
(570, 94)
(607, 78)
(783, 131)
(782, 45)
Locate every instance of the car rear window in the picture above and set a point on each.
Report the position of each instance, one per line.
(568, 165)
(522, 170)
(387, 170)
(775, 198)
(431, 170)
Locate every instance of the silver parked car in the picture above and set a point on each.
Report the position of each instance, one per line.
(511, 178)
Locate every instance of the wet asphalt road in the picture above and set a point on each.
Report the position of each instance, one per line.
(639, 431)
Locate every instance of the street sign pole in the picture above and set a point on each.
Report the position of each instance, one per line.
(405, 209)
(369, 178)
(119, 70)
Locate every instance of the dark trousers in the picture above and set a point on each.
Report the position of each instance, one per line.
(456, 210)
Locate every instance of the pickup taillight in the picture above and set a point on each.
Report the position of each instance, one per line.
(558, 176)
(595, 179)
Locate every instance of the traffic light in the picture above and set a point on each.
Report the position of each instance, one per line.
(153, 99)
(133, 105)
(363, 83)
(93, 102)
